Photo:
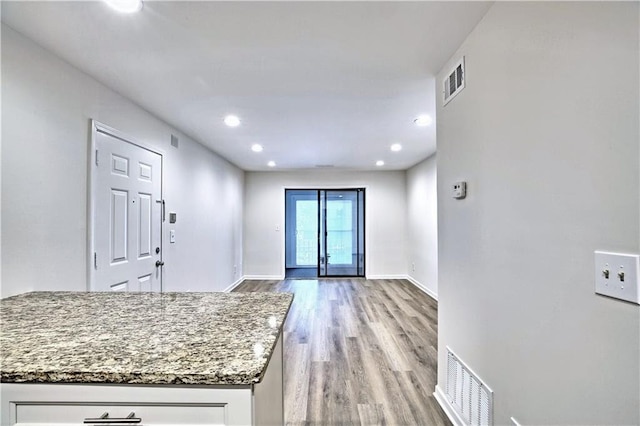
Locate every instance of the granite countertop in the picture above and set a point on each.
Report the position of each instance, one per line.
(139, 338)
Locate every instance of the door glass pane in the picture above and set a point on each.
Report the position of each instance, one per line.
(340, 231)
(343, 232)
(306, 232)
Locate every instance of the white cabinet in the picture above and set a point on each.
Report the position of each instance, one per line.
(70, 404)
(69, 413)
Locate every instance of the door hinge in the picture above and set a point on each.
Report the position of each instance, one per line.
(95, 260)
(96, 157)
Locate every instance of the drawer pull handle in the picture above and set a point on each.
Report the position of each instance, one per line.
(105, 419)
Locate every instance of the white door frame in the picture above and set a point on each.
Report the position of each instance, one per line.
(283, 242)
(97, 127)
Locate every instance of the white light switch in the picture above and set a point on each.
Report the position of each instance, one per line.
(172, 236)
(617, 275)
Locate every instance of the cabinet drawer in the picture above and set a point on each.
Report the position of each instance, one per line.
(28, 414)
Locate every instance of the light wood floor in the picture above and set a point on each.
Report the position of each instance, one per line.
(358, 351)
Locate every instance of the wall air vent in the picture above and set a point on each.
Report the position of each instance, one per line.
(469, 396)
(454, 82)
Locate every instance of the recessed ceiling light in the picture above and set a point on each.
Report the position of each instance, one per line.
(256, 147)
(271, 164)
(125, 6)
(396, 147)
(423, 120)
(232, 121)
(379, 163)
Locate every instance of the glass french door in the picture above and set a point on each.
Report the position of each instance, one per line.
(325, 231)
(301, 230)
(341, 233)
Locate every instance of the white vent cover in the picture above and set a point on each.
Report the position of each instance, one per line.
(468, 395)
(454, 82)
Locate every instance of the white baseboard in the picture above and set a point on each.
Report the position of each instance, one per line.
(424, 289)
(442, 399)
(386, 277)
(234, 285)
(264, 277)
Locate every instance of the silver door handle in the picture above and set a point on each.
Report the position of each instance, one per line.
(159, 263)
(163, 209)
(105, 419)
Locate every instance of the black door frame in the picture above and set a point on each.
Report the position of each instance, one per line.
(322, 225)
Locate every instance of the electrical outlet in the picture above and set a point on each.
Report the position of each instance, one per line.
(413, 267)
(616, 275)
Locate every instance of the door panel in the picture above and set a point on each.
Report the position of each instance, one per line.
(120, 165)
(342, 233)
(145, 283)
(127, 222)
(145, 171)
(301, 229)
(119, 224)
(120, 286)
(144, 225)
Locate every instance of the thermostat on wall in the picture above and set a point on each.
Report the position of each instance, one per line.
(459, 190)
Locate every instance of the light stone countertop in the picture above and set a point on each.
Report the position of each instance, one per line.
(139, 338)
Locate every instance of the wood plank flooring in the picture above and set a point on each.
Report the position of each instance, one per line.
(358, 352)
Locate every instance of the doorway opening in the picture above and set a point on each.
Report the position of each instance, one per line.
(324, 233)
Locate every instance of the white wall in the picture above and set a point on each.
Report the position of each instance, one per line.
(46, 108)
(422, 224)
(385, 216)
(547, 135)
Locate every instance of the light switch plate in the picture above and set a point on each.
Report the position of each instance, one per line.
(616, 275)
(172, 236)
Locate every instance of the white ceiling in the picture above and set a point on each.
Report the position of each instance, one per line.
(315, 83)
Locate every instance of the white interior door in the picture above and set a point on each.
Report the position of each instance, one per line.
(127, 216)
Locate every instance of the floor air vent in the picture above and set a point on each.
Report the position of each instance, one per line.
(472, 399)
